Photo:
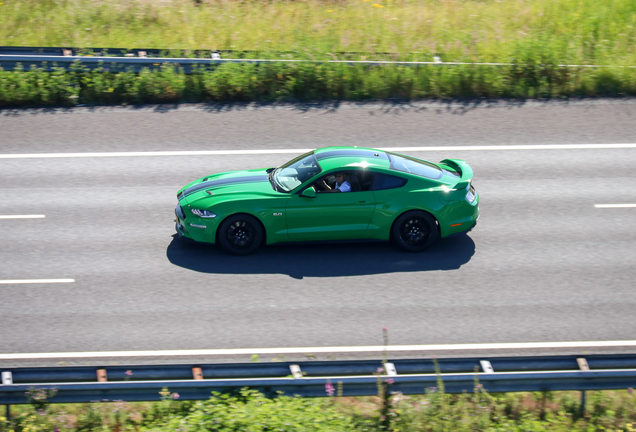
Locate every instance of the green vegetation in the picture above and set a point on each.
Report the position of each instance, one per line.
(562, 31)
(251, 412)
(536, 35)
(308, 82)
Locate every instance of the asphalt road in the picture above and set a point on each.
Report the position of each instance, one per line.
(543, 265)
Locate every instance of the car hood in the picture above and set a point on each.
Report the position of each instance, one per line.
(232, 182)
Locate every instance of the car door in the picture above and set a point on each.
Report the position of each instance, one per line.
(329, 216)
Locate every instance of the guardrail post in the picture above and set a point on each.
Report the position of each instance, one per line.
(584, 366)
(296, 372)
(582, 407)
(389, 369)
(8, 416)
(486, 366)
(101, 375)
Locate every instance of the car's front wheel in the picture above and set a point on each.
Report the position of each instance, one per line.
(240, 234)
(415, 231)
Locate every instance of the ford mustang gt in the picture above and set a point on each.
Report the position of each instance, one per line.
(380, 195)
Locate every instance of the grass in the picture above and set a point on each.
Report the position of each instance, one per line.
(535, 35)
(250, 411)
(563, 31)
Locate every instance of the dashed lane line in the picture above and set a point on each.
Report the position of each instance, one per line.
(35, 281)
(615, 205)
(22, 216)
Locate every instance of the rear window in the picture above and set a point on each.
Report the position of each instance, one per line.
(409, 165)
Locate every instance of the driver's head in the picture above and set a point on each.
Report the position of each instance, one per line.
(340, 177)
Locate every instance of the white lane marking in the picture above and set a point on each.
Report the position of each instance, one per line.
(22, 216)
(615, 205)
(517, 147)
(157, 153)
(314, 350)
(35, 281)
(299, 151)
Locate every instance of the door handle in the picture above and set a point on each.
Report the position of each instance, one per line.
(361, 202)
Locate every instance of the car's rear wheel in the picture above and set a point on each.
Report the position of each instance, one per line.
(240, 234)
(415, 231)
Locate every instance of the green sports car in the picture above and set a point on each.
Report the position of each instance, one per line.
(379, 195)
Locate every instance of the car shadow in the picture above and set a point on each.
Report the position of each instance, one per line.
(322, 260)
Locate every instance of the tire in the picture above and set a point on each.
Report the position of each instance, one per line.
(240, 234)
(414, 231)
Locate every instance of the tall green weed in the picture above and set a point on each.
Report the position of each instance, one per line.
(294, 82)
(252, 412)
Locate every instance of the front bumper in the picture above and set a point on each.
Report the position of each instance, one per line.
(196, 229)
(179, 226)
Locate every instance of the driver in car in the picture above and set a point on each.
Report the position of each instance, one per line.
(342, 185)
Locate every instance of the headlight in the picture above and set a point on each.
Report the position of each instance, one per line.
(203, 213)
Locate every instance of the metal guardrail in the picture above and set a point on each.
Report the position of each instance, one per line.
(315, 387)
(121, 52)
(136, 64)
(358, 378)
(49, 58)
(69, 374)
(120, 59)
(154, 52)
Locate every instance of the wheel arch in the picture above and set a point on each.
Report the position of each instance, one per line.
(439, 227)
(414, 240)
(260, 222)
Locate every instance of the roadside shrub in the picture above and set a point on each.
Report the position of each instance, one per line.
(253, 412)
(38, 87)
(304, 82)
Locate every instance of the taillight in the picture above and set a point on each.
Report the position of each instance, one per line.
(471, 195)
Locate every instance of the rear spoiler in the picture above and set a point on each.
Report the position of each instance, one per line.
(463, 169)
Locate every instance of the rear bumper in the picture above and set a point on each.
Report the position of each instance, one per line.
(473, 225)
(464, 217)
(464, 232)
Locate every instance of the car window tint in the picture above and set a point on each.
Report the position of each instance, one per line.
(414, 166)
(354, 178)
(386, 181)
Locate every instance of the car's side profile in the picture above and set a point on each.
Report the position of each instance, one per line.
(392, 197)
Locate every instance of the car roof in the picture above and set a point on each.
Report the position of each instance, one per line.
(355, 157)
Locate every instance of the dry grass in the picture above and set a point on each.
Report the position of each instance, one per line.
(585, 31)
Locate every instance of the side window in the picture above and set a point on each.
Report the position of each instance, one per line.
(355, 180)
(358, 180)
(386, 181)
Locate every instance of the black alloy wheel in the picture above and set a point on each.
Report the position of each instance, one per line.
(240, 234)
(415, 231)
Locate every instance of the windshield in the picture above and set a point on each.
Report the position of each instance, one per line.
(296, 171)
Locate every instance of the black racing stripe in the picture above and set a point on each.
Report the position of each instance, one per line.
(351, 152)
(223, 182)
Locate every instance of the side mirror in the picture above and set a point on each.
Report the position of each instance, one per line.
(310, 192)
